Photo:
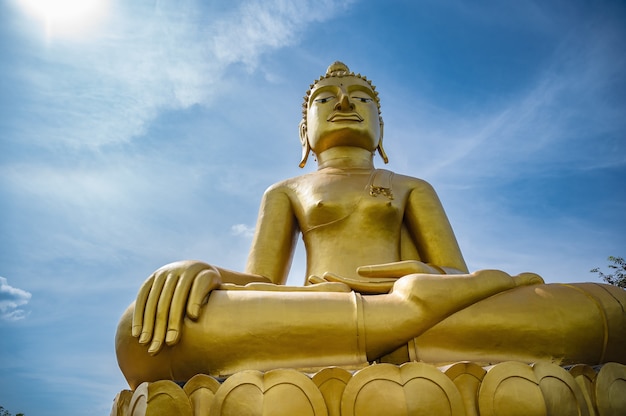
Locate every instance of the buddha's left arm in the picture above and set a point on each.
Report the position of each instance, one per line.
(429, 226)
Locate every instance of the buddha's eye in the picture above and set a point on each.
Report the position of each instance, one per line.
(323, 99)
(363, 99)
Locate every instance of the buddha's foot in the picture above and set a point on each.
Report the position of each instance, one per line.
(527, 279)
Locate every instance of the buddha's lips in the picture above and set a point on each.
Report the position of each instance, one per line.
(339, 116)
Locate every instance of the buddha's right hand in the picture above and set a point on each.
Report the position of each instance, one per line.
(170, 292)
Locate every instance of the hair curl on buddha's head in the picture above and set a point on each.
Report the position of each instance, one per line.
(338, 69)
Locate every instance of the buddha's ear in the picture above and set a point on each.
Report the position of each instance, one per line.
(304, 140)
(381, 150)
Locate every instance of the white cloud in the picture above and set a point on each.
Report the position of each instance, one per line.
(11, 298)
(259, 26)
(108, 90)
(243, 230)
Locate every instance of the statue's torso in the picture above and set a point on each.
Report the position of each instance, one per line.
(343, 225)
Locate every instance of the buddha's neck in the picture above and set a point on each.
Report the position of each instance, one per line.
(345, 157)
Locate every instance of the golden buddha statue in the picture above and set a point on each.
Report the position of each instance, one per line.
(386, 280)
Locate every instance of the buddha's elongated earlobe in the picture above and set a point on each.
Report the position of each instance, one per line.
(304, 140)
(380, 149)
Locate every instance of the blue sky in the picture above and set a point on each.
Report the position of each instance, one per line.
(148, 132)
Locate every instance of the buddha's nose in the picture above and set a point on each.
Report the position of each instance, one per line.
(344, 103)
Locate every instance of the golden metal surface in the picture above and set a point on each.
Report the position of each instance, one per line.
(467, 377)
(332, 382)
(610, 389)
(462, 389)
(409, 389)
(161, 398)
(393, 285)
(201, 390)
(282, 392)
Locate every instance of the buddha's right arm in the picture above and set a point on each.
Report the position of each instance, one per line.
(179, 289)
(275, 236)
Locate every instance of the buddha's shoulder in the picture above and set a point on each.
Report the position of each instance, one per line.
(409, 182)
(288, 186)
(297, 181)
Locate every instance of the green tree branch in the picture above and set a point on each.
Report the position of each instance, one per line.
(617, 277)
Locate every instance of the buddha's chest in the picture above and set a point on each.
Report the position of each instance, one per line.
(338, 199)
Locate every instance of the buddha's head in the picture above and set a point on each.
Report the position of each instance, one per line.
(341, 108)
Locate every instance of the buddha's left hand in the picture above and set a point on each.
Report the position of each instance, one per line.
(379, 278)
(398, 269)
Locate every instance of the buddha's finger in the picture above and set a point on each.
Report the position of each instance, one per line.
(313, 280)
(177, 309)
(140, 306)
(395, 269)
(203, 284)
(151, 305)
(162, 313)
(369, 286)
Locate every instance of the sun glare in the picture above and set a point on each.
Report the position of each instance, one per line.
(65, 16)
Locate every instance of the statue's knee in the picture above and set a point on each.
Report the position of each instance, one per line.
(124, 340)
(124, 327)
(618, 293)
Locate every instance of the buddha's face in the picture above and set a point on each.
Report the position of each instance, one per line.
(342, 112)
